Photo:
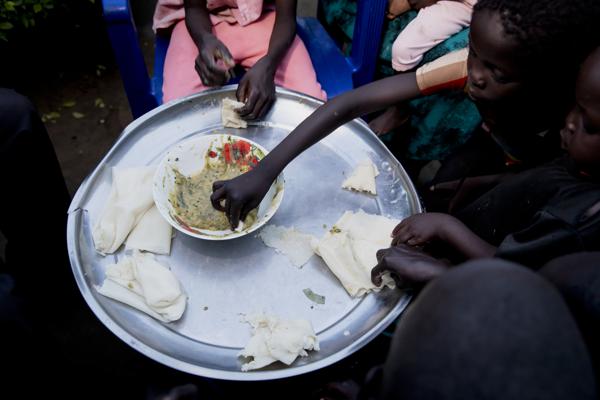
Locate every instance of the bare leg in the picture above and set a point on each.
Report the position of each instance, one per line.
(392, 118)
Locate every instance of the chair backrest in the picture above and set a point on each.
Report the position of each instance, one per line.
(366, 40)
(336, 72)
(124, 39)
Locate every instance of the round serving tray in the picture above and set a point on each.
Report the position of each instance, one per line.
(226, 280)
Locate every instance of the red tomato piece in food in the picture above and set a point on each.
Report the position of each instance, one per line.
(227, 152)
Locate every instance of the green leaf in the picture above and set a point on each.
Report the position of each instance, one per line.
(312, 296)
(5, 25)
(99, 103)
(78, 115)
(37, 8)
(69, 103)
(50, 116)
(99, 69)
(9, 5)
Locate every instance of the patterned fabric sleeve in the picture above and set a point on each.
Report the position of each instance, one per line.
(447, 72)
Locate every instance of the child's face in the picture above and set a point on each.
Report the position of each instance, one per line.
(494, 73)
(581, 134)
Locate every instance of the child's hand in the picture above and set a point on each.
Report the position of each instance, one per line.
(257, 90)
(409, 267)
(240, 195)
(419, 229)
(214, 62)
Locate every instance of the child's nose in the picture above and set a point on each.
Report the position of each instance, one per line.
(476, 78)
(478, 81)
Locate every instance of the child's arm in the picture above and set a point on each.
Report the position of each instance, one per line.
(465, 188)
(214, 60)
(419, 229)
(257, 87)
(245, 192)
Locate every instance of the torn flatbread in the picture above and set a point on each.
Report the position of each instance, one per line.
(350, 250)
(276, 339)
(152, 234)
(230, 116)
(363, 178)
(295, 245)
(143, 283)
(130, 197)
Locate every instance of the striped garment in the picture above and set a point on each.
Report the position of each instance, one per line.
(447, 72)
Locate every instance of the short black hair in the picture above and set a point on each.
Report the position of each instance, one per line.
(564, 31)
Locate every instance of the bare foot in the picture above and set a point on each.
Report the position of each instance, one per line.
(396, 8)
(393, 118)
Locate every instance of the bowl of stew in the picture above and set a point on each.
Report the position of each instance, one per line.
(183, 185)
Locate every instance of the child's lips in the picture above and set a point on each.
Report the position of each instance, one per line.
(473, 93)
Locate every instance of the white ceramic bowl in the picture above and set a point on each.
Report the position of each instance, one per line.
(188, 158)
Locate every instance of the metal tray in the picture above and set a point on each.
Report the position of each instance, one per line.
(225, 280)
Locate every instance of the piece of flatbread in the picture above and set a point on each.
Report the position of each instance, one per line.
(152, 234)
(229, 115)
(350, 250)
(295, 245)
(275, 339)
(143, 283)
(130, 197)
(363, 178)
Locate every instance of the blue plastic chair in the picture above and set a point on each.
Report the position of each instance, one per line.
(336, 72)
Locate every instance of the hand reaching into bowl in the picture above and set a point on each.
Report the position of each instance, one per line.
(238, 196)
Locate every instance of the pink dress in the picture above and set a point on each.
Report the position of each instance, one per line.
(245, 27)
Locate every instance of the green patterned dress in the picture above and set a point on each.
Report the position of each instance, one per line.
(440, 122)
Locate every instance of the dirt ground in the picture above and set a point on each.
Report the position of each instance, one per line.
(70, 75)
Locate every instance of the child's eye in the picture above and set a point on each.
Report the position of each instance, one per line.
(588, 126)
(592, 130)
(499, 78)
